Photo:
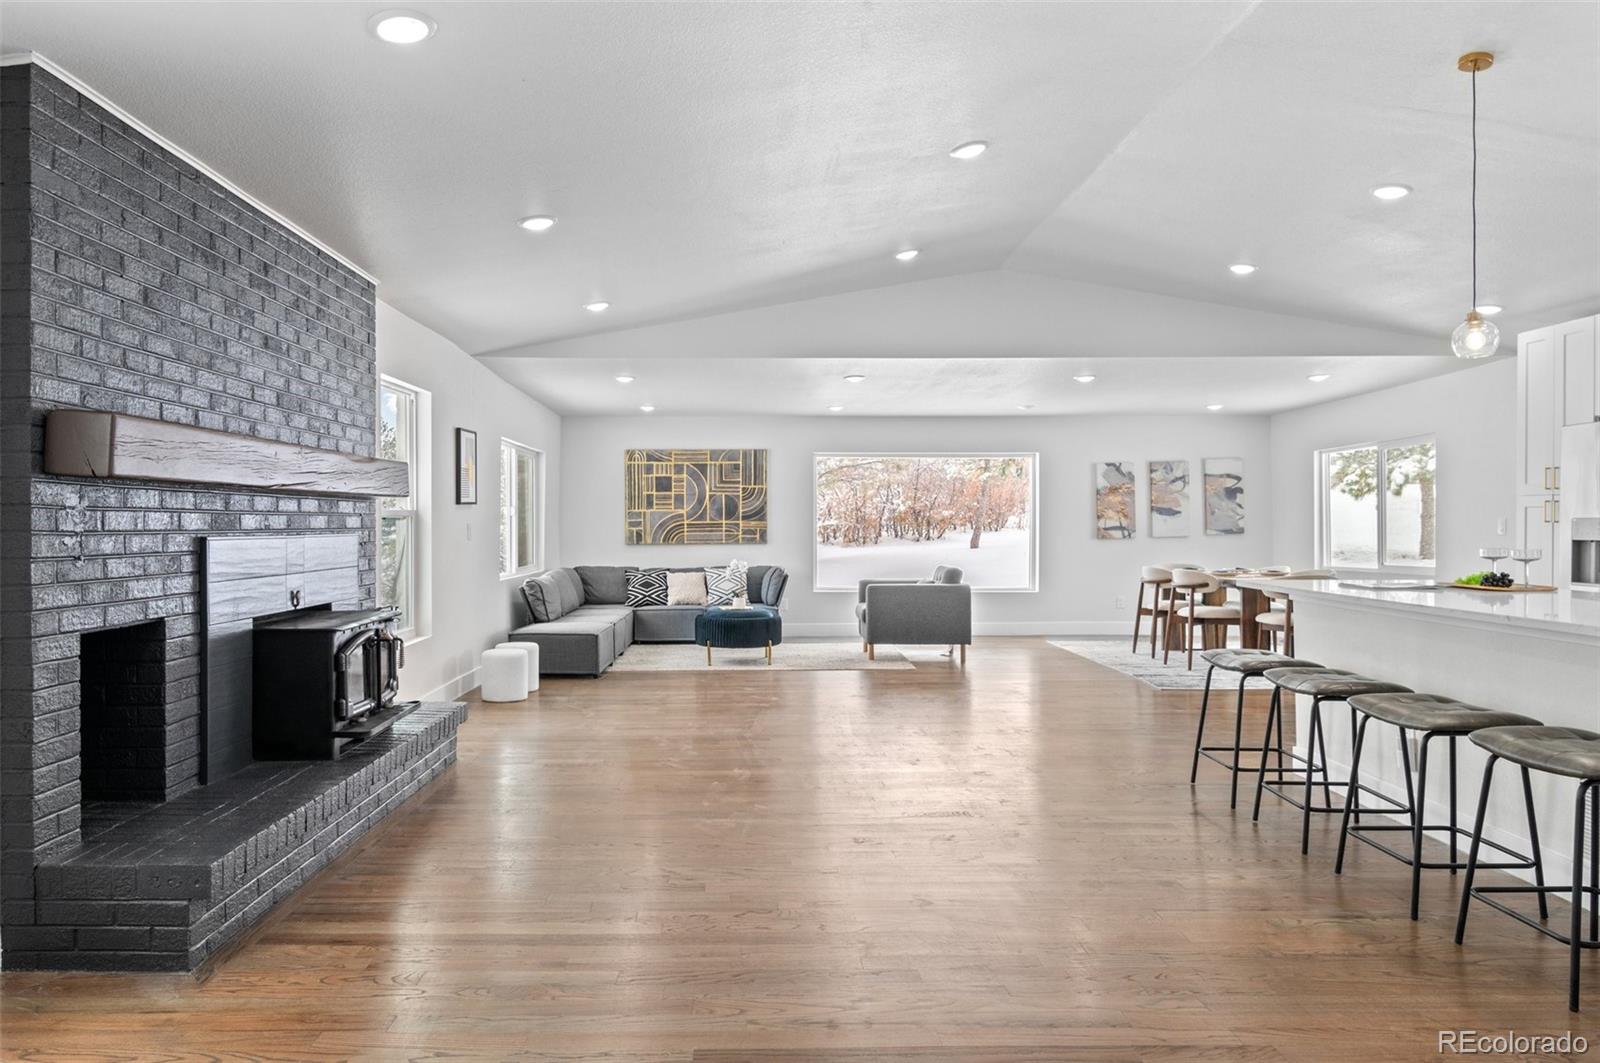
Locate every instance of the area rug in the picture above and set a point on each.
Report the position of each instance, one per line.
(1113, 653)
(790, 657)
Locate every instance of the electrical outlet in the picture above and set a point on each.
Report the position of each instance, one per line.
(1122, 603)
(469, 531)
(1500, 526)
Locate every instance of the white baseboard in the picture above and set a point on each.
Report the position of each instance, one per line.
(453, 689)
(998, 627)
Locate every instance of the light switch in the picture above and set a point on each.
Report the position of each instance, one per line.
(1499, 528)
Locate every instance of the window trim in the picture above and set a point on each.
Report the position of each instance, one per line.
(1323, 514)
(419, 463)
(539, 506)
(1034, 510)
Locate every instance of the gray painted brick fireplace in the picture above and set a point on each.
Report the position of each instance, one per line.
(131, 282)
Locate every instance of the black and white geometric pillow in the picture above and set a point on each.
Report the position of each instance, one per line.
(721, 586)
(646, 586)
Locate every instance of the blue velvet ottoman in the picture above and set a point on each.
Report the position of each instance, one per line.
(735, 629)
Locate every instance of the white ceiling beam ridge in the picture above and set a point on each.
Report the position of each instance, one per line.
(989, 314)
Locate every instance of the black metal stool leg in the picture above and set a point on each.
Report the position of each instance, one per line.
(1350, 796)
(1266, 743)
(1313, 733)
(1575, 949)
(1594, 865)
(1322, 746)
(1280, 742)
(1472, 853)
(1454, 832)
(1355, 807)
(1419, 813)
(1533, 844)
(1238, 743)
(1200, 733)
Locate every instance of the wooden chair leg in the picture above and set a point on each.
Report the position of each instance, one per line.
(1166, 648)
(964, 654)
(1138, 614)
(1190, 628)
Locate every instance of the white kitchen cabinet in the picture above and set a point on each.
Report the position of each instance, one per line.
(1536, 527)
(1557, 384)
(1575, 368)
(1536, 410)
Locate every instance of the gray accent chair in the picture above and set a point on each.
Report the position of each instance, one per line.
(904, 612)
(582, 622)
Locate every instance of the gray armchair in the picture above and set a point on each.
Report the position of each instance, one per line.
(903, 612)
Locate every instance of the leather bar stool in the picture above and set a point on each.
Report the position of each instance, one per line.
(1565, 751)
(1432, 717)
(1160, 581)
(1250, 664)
(1320, 684)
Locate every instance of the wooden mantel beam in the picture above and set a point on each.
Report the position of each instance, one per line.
(115, 446)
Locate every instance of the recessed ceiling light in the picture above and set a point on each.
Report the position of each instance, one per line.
(647, 409)
(1214, 407)
(835, 409)
(1084, 378)
(1488, 309)
(538, 223)
(1317, 378)
(854, 378)
(1391, 192)
(1243, 269)
(597, 307)
(1024, 405)
(401, 27)
(907, 255)
(970, 150)
(624, 379)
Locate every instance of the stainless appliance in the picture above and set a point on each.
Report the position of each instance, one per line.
(1579, 506)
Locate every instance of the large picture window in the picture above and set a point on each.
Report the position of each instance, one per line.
(1378, 505)
(521, 529)
(889, 516)
(402, 430)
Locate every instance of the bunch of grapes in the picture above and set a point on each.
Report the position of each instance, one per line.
(1497, 579)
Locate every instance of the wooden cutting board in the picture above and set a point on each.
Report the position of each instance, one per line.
(1513, 589)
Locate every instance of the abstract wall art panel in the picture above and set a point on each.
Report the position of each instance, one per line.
(1224, 496)
(1113, 500)
(681, 497)
(1169, 499)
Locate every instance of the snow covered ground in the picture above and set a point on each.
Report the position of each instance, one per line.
(1001, 560)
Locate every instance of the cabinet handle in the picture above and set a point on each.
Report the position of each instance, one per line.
(1546, 511)
(1547, 486)
(1555, 511)
(1555, 477)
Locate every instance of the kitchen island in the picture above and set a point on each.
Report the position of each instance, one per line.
(1535, 653)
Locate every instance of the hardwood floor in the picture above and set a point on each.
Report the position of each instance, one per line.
(1001, 865)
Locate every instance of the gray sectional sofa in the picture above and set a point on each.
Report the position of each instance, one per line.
(581, 620)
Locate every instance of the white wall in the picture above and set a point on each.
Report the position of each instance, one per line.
(1081, 578)
(1471, 413)
(471, 607)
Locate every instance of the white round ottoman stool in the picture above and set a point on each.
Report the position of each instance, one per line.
(532, 650)
(504, 675)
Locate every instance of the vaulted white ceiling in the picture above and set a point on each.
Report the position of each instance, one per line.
(729, 176)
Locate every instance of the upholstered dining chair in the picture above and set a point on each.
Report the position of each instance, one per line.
(1279, 618)
(1189, 588)
(1158, 580)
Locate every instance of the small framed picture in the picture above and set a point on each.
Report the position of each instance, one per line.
(466, 467)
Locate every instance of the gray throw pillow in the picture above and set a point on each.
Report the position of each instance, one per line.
(772, 586)
(543, 595)
(603, 584)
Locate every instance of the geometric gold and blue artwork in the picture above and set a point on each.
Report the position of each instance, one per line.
(679, 497)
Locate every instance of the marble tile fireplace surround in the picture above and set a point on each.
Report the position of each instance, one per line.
(134, 283)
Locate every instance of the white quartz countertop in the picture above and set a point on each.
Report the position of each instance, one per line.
(1561, 612)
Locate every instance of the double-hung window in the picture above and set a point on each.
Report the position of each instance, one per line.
(521, 509)
(1377, 505)
(401, 430)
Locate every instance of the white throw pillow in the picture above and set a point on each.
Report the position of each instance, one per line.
(686, 588)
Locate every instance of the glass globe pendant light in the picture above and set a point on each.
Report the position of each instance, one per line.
(1475, 337)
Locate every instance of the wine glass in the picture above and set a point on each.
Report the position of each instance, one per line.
(1494, 555)
(1527, 555)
